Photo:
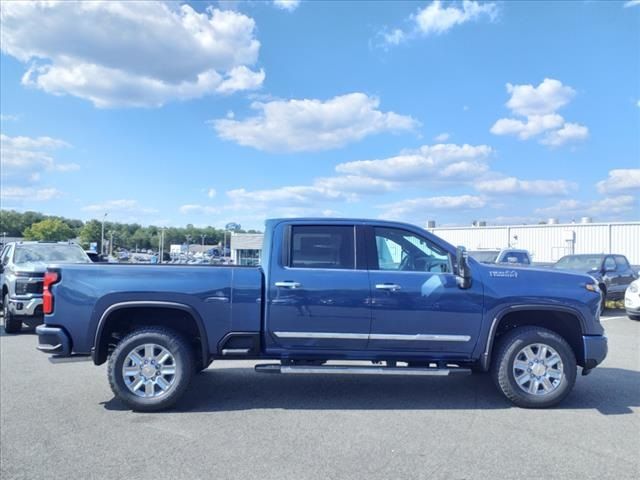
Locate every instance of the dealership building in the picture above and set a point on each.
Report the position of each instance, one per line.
(546, 243)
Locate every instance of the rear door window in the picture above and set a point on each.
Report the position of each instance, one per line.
(622, 262)
(330, 246)
(609, 264)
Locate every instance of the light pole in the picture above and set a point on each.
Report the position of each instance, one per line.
(202, 236)
(188, 237)
(161, 246)
(4, 238)
(111, 243)
(102, 236)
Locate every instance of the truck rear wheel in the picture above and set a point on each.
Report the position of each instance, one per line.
(151, 368)
(534, 367)
(11, 323)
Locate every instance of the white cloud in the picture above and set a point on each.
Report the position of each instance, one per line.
(512, 185)
(8, 118)
(620, 180)
(211, 192)
(631, 3)
(20, 154)
(312, 125)
(29, 193)
(123, 205)
(568, 133)
(289, 5)
(607, 206)
(534, 125)
(441, 138)
(199, 209)
(434, 19)
(538, 107)
(440, 162)
(423, 206)
(131, 53)
(546, 98)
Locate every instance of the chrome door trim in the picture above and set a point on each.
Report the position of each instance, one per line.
(375, 336)
(421, 337)
(323, 335)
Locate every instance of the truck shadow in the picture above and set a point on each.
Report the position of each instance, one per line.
(611, 391)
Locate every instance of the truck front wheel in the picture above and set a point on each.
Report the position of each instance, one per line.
(151, 368)
(534, 367)
(11, 323)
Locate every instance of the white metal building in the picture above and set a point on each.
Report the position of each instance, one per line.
(246, 248)
(549, 242)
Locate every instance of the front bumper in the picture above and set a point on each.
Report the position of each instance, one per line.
(595, 350)
(26, 307)
(635, 311)
(53, 340)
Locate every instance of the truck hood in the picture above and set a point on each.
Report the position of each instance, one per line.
(534, 274)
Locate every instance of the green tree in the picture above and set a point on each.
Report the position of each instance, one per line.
(91, 232)
(51, 229)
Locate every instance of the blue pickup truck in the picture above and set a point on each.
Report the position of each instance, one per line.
(329, 295)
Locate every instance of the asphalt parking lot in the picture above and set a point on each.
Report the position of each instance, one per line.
(62, 421)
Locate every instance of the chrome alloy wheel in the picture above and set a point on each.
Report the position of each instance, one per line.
(538, 369)
(149, 370)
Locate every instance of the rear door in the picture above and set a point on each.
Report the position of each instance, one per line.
(626, 275)
(417, 305)
(318, 297)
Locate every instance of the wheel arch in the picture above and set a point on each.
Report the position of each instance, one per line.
(565, 321)
(123, 317)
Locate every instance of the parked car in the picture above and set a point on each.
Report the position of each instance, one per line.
(612, 272)
(95, 257)
(511, 256)
(22, 269)
(385, 292)
(632, 300)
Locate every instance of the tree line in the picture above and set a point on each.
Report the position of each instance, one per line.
(37, 226)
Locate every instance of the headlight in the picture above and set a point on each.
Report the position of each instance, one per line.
(633, 288)
(592, 287)
(21, 287)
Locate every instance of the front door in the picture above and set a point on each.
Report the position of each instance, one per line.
(417, 305)
(317, 298)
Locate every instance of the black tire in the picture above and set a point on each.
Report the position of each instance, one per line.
(502, 366)
(184, 367)
(11, 323)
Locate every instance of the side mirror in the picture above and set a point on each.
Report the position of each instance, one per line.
(462, 268)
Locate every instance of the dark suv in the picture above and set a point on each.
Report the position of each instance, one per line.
(22, 268)
(613, 272)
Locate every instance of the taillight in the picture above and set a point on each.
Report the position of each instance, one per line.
(47, 297)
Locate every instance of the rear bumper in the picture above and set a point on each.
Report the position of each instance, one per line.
(53, 340)
(595, 350)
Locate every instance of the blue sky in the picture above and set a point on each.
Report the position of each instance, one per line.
(212, 112)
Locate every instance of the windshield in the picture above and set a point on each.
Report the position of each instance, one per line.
(485, 257)
(49, 253)
(583, 263)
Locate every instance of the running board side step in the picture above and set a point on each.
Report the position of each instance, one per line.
(358, 370)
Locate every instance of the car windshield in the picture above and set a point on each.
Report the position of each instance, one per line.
(485, 256)
(583, 263)
(49, 253)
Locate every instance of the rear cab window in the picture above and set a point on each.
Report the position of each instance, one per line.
(322, 246)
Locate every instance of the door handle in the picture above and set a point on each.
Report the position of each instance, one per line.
(392, 287)
(288, 284)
